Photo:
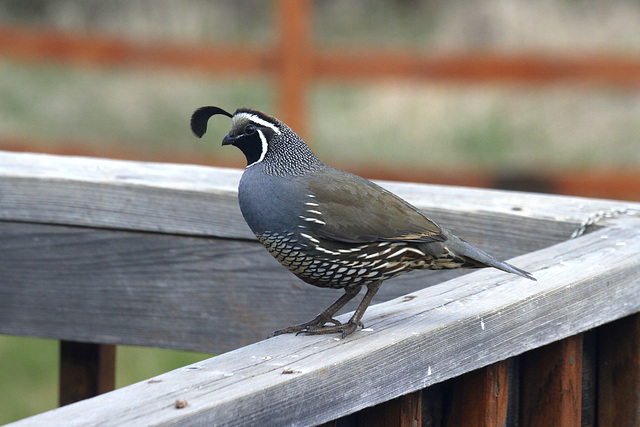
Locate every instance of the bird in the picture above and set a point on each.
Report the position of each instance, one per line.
(329, 227)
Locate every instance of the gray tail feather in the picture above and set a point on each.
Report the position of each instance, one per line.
(486, 259)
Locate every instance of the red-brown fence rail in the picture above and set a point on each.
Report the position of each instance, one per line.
(296, 63)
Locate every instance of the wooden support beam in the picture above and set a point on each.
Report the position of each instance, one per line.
(551, 384)
(481, 397)
(86, 370)
(435, 402)
(619, 372)
(403, 411)
(439, 333)
(590, 378)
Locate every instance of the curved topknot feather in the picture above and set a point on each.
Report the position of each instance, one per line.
(201, 116)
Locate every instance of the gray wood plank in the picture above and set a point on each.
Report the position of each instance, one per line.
(443, 331)
(188, 199)
(170, 291)
(170, 288)
(122, 195)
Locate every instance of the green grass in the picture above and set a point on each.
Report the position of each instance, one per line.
(29, 372)
(28, 377)
(132, 112)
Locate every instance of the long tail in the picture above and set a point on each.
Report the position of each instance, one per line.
(485, 259)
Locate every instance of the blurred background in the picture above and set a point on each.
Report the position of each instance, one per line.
(533, 95)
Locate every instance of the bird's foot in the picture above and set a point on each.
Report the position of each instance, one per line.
(316, 323)
(344, 328)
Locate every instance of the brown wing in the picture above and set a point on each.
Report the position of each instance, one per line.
(355, 210)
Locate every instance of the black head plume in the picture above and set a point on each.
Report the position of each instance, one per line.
(201, 116)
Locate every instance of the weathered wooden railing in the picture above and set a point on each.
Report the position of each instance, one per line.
(112, 252)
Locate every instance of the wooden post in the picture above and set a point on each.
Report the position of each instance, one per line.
(86, 370)
(403, 411)
(551, 384)
(295, 62)
(435, 402)
(589, 378)
(619, 372)
(481, 397)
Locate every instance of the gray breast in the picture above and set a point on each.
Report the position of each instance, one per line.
(270, 203)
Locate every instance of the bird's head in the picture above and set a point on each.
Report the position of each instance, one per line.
(251, 130)
(259, 136)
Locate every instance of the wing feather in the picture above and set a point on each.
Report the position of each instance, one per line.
(355, 210)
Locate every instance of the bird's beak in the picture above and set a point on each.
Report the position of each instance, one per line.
(229, 139)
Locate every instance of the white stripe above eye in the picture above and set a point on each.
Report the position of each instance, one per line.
(265, 147)
(257, 120)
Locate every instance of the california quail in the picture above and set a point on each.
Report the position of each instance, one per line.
(329, 227)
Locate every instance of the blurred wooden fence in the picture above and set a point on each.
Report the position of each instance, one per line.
(98, 253)
(295, 63)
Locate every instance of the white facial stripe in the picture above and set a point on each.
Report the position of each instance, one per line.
(265, 146)
(257, 120)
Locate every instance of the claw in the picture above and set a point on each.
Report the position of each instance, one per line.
(318, 326)
(305, 328)
(344, 328)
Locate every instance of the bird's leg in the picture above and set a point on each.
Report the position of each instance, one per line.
(353, 323)
(325, 317)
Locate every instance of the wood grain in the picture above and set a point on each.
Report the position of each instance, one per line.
(551, 384)
(158, 254)
(446, 330)
(590, 377)
(183, 292)
(481, 397)
(197, 200)
(619, 373)
(403, 411)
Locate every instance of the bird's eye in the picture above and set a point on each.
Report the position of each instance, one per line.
(249, 129)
